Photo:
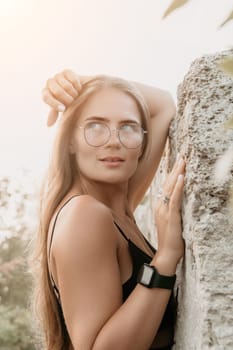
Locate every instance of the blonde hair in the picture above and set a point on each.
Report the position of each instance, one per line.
(58, 181)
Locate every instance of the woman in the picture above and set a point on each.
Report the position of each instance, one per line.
(101, 285)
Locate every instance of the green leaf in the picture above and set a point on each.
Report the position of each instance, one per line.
(230, 202)
(228, 19)
(175, 4)
(229, 123)
(226, 65)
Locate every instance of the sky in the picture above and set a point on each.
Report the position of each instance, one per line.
(125, 38)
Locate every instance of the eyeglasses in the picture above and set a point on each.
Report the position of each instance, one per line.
(98, 134)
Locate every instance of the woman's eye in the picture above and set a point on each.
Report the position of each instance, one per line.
(94, 125)
(128, 127)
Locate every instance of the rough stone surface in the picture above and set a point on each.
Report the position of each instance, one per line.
(205, 277)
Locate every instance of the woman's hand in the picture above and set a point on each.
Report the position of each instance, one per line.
(168, 215)
(60, 91)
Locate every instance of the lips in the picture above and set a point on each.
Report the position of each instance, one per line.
(112, 159)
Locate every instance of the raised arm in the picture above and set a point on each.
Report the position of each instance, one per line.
(64, 87)
(162, 110)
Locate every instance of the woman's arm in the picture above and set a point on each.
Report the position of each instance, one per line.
(64, 87)
(88, 277)
(162, 109)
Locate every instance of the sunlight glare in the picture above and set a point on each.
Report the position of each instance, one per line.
(15, 8)
(9, 8)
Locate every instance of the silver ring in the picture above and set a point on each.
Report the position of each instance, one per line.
(160, 194)
(166, 200)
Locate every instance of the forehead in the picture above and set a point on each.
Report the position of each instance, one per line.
(112, 104)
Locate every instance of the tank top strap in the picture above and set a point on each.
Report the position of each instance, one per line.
(51, 238)
(121, 231)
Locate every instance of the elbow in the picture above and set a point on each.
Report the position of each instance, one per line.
(166, 105)
(169, 106)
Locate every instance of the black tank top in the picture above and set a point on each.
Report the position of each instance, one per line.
(139, 257)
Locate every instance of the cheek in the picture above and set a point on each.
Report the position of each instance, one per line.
(135, 154)
(85, 156)
(133, 160)
(82, 149)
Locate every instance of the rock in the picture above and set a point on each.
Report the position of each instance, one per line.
(205, 277)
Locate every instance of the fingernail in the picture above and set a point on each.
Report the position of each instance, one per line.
(61, 108)
(180, 177)
(180, 161)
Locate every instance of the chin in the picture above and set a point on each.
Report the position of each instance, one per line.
(111, 179)
(114, 181)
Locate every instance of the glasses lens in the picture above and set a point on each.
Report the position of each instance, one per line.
(96, 133)
(131, 135)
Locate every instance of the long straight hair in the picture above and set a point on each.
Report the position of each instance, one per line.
(59, 179)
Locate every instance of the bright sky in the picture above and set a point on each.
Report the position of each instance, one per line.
(126, 38)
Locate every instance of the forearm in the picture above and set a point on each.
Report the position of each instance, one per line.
(136, 322)
(158, 100)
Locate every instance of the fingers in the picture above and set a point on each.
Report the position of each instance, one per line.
(66, 85)
(56, 91)
(73, 78)
(176, 197)
(52, 117)
(170, 185)
(60, 93)
(51, 101)
(61, 90)
(179, 168)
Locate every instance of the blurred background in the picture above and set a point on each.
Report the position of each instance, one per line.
(126, 38)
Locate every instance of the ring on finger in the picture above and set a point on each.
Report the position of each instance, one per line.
(160, 194)
(166, 200)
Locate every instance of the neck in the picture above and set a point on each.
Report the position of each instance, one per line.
(113, 196)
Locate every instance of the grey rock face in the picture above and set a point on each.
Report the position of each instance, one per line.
(205, 102)
(205, 277)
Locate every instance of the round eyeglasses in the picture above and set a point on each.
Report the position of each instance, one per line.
(98, 134)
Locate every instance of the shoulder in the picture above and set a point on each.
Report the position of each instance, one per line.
(86, 268)
(82, 222)
(84, 205)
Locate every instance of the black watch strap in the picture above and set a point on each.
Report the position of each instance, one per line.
(149, 277)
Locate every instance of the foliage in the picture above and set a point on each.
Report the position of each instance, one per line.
(229, 18)
(15, 281)
(224, 164)
(175, 4)
(229, 123)
(14, 324)
(226, 65)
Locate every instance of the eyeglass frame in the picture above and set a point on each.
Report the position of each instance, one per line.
(110, 134)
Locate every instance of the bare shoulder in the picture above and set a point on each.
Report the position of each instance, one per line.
(82, 221)
(86, 268)
(81, 207)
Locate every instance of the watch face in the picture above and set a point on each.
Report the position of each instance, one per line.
(147, 274)
(150, 278)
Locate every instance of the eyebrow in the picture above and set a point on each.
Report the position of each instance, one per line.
(103, 119)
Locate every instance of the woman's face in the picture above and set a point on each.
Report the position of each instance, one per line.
(111, 162)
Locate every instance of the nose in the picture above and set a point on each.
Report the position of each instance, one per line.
(114, 137)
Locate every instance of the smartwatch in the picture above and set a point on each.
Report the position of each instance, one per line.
(149, 277)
